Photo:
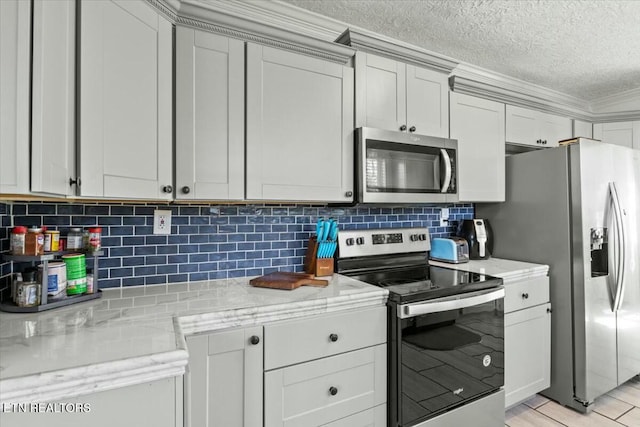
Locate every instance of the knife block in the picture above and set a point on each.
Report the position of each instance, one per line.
(317, 266)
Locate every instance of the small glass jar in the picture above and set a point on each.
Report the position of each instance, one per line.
(34, 241)
(74, 239)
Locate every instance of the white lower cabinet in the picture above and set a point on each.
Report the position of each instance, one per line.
(223, 383)
(527, 338)
(320, 370)
(327, 389)
(153, 404)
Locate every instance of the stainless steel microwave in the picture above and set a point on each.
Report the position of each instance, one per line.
(398, 167)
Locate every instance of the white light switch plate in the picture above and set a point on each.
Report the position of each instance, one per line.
(161, 222)
(444, 217)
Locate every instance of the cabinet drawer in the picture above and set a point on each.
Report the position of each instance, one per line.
(296, 341)
(526, 293)
(374, 417)
(326, 390)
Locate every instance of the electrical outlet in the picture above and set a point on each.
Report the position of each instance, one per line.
(161, 222)
(444, 217)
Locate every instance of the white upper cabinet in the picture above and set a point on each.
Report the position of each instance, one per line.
(582, 129)
(15, 41)
(397, 96)
(53, 150)
(299, 138)
(479, 126)
(535, 128)
(626, 134)
(209, 116)
(126, 103)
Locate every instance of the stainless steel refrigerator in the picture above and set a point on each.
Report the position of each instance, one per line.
(577, 209)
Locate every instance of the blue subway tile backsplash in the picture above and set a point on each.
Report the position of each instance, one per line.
(207, 242)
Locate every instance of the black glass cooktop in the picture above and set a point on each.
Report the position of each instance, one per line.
(411, 284)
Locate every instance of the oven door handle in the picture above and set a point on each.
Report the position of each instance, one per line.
(449, 303)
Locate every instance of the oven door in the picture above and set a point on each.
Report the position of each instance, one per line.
(394, 167)
(444, 353)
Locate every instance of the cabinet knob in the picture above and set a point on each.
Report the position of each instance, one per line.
(348, 194)
(412, 129)
(254, 339)
(167, 189)
(72, 181)
(403, 128)
(186, 189)
(544, 142)
(333, 337)
(333, 391)
(549, 310)
(525, 295)
(538, 141)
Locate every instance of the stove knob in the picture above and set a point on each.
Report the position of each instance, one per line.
(360, 240)
(422, 237)
(349, 241)
(413, 237)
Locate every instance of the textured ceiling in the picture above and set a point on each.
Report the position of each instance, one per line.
(585, 48)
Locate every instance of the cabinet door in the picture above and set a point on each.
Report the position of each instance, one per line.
(15, 41)
(125, 100)
(299, 127)
(326, 389)
(53, 99)
(521, 126)
(527, 353)
(618, 133)
(584, 129)
(427, 102)
(380, 93)
(223, 385)
(552, 128)
(478, 125)
(209, 116)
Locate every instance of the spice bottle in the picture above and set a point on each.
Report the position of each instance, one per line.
(17, 241)
(34, 242)
(95, 234)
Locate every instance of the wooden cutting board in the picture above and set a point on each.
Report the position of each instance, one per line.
(287, 280)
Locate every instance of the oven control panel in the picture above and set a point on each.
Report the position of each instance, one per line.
(356, 243)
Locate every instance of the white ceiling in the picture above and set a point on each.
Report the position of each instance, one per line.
(589, 49)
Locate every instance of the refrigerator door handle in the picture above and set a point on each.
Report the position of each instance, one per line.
(620, 242)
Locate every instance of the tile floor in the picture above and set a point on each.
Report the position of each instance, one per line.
(619, 407)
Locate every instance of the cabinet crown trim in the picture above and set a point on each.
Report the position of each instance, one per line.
(475, 81)
(380, 45)
(238, 20)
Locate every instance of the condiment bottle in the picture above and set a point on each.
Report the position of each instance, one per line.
(34, 242)
(17, 241)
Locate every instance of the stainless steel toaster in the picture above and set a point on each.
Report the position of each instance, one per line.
(453, 249)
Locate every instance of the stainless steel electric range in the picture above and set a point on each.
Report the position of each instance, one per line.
(445, 330)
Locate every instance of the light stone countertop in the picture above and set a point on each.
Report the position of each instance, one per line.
(136, 335)
(508, 270)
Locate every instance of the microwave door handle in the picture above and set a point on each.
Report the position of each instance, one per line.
(447, 170)
(620, 237)
(450, 303)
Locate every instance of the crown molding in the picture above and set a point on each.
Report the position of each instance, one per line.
(375, 43)
(249, 21)
(476, 81)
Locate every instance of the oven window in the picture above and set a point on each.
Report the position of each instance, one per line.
(402, 168)
(449, 358)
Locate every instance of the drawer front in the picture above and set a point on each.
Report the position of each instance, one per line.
(526, 293)
(326, 390)
(374, 417)
(296, 341)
